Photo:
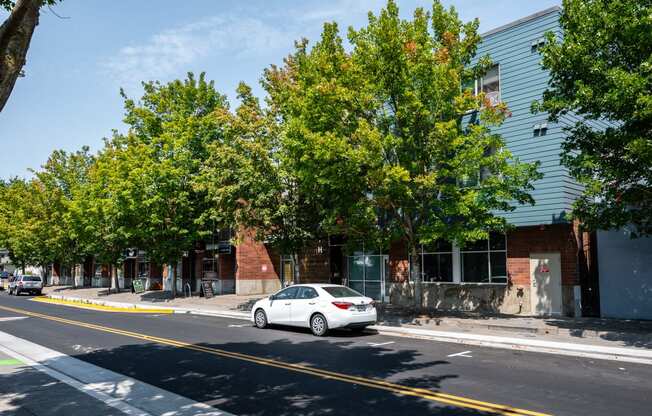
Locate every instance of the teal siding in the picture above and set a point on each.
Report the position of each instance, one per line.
(522, 81)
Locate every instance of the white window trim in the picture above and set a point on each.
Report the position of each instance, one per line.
(489, 251)
(478, 83)
(457, 266)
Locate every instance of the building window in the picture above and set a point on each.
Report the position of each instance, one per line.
(143, 268)
(490, 85)
(485, 261)
(437, 262)
(537, 44)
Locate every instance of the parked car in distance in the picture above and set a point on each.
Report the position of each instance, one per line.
(26, 284)
(319, 307)
(4, 280)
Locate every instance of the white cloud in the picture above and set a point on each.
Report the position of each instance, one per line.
(249, 32)
(171, 52)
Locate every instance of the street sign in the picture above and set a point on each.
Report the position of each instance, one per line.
(207, 285)
(139, 285)
(224, 248)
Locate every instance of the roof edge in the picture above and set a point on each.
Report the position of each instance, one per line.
(522, 20)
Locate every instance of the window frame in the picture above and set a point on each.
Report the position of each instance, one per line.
(287, 289)
(437, 253)
(457, 264)
(488, 252)
(306, 288)
(479, 83)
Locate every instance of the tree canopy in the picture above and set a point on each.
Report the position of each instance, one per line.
(373, 143)
(601, 74)
(382, 141)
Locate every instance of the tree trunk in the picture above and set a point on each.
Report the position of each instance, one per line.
(114, 276)
(174, 279)
(415, 273)
(297, 270)
(15, 36)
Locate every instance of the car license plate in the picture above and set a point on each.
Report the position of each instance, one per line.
(361, 308)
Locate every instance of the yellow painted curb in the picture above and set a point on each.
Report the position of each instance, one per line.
(93, 306)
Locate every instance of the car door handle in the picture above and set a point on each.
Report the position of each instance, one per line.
(312, 303)
(288, 304)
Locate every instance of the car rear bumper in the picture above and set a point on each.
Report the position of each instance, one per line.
(28, 289)
(356, 320)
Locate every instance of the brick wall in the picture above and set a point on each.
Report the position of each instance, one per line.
(549, 238)
(520, 243)
(314, 264)
(254, 260)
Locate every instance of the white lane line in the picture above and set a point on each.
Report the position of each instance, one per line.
(238, 326)
(114, 389)
(461, 354)
(379, 343)
(13, 318)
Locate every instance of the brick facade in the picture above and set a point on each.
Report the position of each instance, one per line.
(559, 238)
(255, 260)
(314, 265)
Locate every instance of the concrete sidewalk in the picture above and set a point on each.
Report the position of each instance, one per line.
(629, 341)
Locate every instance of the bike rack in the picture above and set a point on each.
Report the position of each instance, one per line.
(187, 286)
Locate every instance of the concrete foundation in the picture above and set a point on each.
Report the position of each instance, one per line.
(256, 286)
(486, 298)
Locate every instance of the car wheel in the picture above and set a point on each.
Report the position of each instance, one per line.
(38, 293)
(318, 325)
(260, 319)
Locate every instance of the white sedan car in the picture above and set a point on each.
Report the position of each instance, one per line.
(319, 307)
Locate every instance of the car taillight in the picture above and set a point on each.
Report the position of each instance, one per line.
(20, 283)
(343, 305)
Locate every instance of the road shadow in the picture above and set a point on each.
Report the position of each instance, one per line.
(628, 333)
(25, 391)
(243, 387)
(631, 333)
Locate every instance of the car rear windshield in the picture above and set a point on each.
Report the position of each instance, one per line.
(31, 279)
(341, 292)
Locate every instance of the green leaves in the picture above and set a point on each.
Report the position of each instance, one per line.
(37, 217)
(380, 134)
(601, 72)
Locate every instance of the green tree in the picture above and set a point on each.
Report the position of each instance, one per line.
(104, 213)
(601, 73)
(252, 184)
(170, 130)
(62, 177)
(20, 225)
(15, 36)
(389, 141)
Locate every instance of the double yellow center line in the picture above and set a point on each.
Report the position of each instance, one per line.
(331, 375)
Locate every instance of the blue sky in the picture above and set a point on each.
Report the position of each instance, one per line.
(77, 64)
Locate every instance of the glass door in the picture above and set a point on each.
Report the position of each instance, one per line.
(287, 270)
(367, 273)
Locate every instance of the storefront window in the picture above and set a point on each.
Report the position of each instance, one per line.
(143, 268)
(437, 262)
(485, 261)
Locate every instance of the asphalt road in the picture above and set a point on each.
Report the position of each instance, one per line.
(278, 371)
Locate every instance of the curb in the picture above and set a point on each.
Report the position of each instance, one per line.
(599, 352)
(143, 306)
(630, 355)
